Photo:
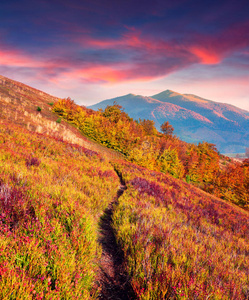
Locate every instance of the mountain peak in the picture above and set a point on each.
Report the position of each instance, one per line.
(194, 118)
(167, 93)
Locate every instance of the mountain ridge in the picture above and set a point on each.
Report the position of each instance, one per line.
(194, 118)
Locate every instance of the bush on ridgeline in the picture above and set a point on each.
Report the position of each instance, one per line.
(167, 129)
(115, 113)
(148, 127)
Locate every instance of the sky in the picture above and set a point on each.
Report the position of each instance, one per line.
(91, 50)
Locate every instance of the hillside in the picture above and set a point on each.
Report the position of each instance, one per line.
(19, 103)
(52, 195)
(82, 224)
(195, 119)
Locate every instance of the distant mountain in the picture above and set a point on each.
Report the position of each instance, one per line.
(195, 119)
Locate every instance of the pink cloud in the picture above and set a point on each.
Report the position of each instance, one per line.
(14, 58)
(104, 44)
(131, 40)
(49, 68)
(107, 74)
(213, 49)
(137, 56)
(208, 49)
(205, 56)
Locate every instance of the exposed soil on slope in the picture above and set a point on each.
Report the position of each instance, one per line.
(113, 279)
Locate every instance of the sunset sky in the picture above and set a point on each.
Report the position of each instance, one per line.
(91, 50)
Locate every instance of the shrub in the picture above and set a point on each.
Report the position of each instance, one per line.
(58, 120)
(32, 161)
(15, 208)
(38, 108)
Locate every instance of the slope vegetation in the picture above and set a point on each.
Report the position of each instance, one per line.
(81, 224)
(32, 109)
(51, 197)
(179, 242)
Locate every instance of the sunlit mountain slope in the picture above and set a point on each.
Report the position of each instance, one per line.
(195, 119)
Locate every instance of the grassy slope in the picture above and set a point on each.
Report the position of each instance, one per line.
(19, 103)
(51, 196)
(179, 242)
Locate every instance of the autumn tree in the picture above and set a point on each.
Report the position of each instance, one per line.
(170, 163)
(148, 127)
(115, 113)
(167, 129)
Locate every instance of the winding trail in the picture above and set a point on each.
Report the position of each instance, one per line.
(113, 279)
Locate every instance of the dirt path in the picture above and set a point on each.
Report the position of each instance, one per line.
(113, 279)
